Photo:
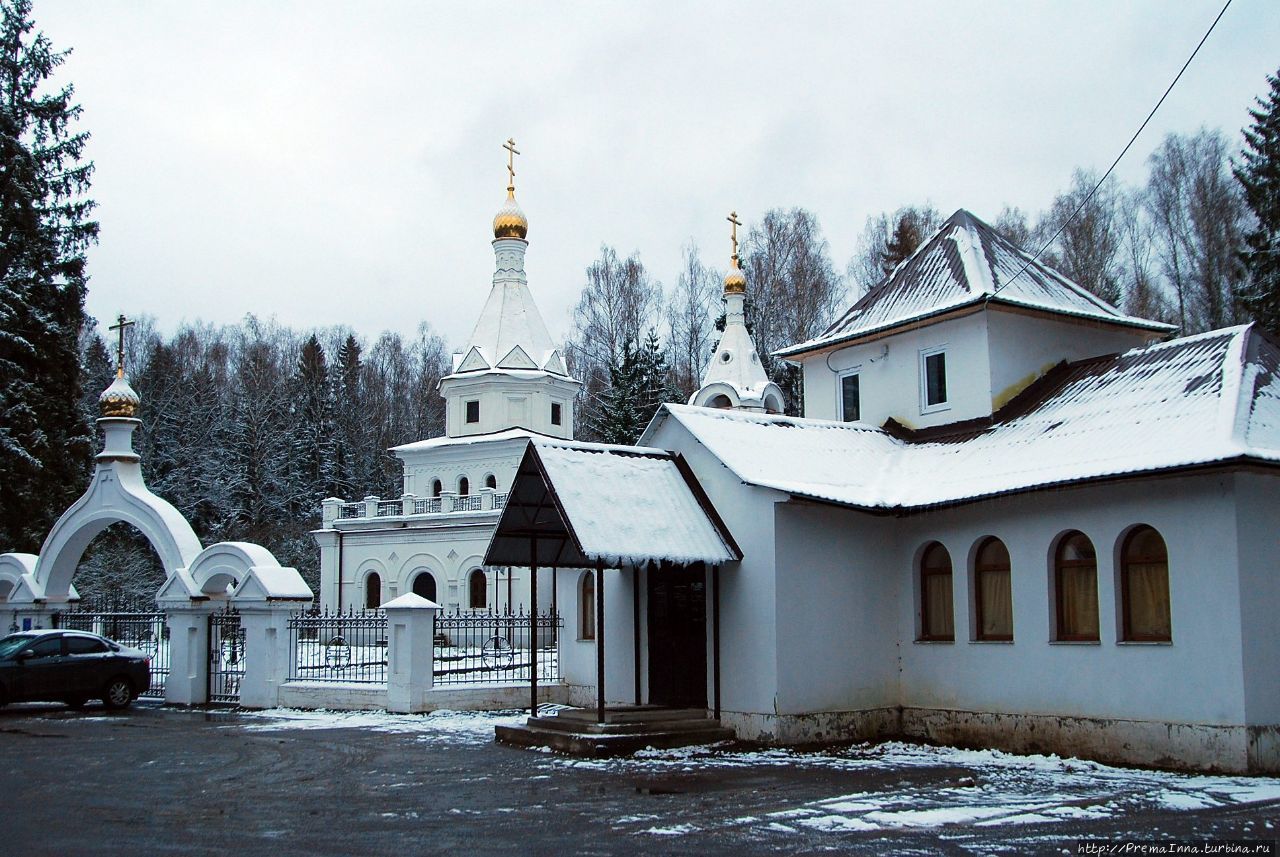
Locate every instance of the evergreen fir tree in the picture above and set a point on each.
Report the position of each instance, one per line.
(312, 411)
(45, 440)
(638, 383)
(1259, 175)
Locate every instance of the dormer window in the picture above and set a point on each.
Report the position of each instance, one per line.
(473, 411)
(850, 398)
(933, 380)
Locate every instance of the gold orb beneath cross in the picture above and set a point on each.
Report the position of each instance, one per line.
(119, 400)
(735, 283)
(510, 221)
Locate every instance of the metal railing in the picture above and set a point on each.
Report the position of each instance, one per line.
(226, 657)
(500, 500)
(348, 647)
(429, 506)
(467, 503)
(351, 510)
(493, 648)
(134, 623)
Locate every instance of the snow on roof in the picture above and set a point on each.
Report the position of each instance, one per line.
(616, 504)
(1203, 399)
(965, 263)
(445, 440)
(627, 506)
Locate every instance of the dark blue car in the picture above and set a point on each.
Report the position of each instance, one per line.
(70, 667)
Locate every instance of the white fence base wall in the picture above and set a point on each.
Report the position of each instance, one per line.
(333, 696)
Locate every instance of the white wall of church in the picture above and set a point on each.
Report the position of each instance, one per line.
(578, 653)
(890, 375)
(1195, 679)
(837, 614)
(1024, 347)
(748, 591)
(1256, 527)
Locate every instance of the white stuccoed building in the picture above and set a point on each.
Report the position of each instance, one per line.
(1012, 516)
(509, 384)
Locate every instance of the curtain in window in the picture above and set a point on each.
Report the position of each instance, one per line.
(1148, 602)
(1078, 591)
(937, 607)
(997, 604)
(587, 608)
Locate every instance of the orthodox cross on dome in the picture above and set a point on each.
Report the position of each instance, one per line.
(733, 218)
(512, 151)
(121, 325)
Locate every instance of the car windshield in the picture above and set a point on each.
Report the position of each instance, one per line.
(11, 644)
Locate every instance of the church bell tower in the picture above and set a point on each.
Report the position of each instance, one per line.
(510, 375)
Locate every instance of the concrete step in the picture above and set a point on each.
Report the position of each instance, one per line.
(632, 714)
(565, 724)
(613, 744)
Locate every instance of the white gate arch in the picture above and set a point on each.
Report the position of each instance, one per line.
(117, 494)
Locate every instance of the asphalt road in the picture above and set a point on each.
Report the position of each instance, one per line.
(158, 782)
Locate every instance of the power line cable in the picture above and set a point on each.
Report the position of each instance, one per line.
(1114, 163)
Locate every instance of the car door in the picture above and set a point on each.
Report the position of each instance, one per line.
(39, 672)
(86, 665)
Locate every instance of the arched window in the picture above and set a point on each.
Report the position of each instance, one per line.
(936, 619)
(720, 401)
(425, 585)
(478, 590)
(1144, 587)
(1075, 585)
(993, 591)
(587, 606)
(491, 481)
(373, 591)
(436, 487)
(464, 487)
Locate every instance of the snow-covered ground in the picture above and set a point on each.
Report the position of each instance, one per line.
(984, 788)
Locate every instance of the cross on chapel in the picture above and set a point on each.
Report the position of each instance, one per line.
(120, 326)
(733, 218)
(512, 151)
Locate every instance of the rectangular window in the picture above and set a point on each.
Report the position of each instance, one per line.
(850, 401)
(555, 413)
(933, 379)
(995, 605)
(473, 412)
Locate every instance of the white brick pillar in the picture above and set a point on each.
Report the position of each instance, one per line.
(411, 632)
(188, 681)
(266, 650)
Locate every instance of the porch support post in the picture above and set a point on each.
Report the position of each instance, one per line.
(715, 639)
(599, 641)
(635, 626)
(533, 626)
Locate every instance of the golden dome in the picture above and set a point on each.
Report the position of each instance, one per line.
(119, 400)
(510, 221)
(735, 282)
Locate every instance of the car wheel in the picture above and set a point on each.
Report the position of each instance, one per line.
(117, 694)
(76, 702)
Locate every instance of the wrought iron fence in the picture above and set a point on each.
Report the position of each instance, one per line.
(226, 657)
(132, 622)
(349, 647)
(494, 648)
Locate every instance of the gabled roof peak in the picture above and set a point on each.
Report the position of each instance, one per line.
(965, 261)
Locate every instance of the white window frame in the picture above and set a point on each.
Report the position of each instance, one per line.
(945, 404)
(840, 376)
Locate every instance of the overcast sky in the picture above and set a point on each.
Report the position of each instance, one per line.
(341, 162)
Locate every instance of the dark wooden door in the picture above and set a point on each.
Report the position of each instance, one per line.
(677, 636)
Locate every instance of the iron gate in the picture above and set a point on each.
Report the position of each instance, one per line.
(131, 622)
(226, 657)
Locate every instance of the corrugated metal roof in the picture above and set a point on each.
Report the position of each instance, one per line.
(965, 262)
(1197, 400)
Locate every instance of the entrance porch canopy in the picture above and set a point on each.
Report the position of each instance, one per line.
(586, 505)
(583, 505)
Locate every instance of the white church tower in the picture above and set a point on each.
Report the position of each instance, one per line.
(508, 384)
(735, 379)
(510, 375)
